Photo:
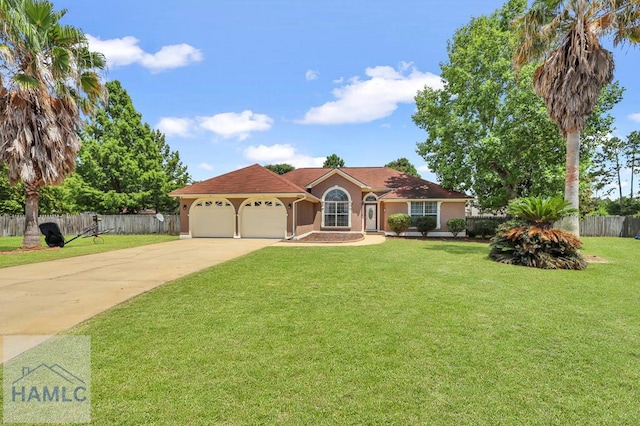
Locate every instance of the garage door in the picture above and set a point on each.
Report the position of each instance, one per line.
(263, 219)
(212, 218)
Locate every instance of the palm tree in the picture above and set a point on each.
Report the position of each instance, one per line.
(530, 239)
(48, 78)
(565, 35)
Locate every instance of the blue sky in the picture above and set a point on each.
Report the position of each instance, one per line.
(237, 82)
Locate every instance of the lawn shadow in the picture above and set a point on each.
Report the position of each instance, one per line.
(8, 247)
(471, 248)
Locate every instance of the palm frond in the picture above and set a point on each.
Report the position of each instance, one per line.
(55, 74)
(537, 248)
(540, 211)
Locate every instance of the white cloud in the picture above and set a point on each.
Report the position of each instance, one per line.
(339, 80)
(236, 125)
(423, 169)
(126, 51)
(311, 75)
(172, 126)
(361, 101)
(281, 153)
(635, 117)
(205, 166)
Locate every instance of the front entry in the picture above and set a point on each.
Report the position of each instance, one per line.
(371, 217)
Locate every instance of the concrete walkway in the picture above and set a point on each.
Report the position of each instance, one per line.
(49, 297)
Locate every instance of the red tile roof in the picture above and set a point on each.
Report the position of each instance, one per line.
(249, 180)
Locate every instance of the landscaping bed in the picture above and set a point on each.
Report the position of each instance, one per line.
(331, 237)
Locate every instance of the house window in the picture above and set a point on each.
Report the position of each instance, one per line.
(423, 208)
(336, 208)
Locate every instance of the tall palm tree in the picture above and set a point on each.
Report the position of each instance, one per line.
(566, 35)
(48, 79)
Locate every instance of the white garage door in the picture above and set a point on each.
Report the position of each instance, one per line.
(212, 218)
(263, 219)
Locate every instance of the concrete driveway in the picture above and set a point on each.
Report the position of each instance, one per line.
(49, 297)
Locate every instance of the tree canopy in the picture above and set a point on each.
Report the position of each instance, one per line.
(124, 166)
(487, 131)
(280, 168)
(403, 165)
(333, 161)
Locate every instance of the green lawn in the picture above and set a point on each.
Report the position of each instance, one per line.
(407, 332)
(78, 247)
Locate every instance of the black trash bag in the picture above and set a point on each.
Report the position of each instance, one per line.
(52, 235)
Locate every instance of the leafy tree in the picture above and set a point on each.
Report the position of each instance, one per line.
(125, 166)
(11, 196)
(622, 207)
(49, 76)
(403, 165)
(280, 168)
(487, 131)
(333, 161)
(610, 162)
(632, 153)
(565, 35)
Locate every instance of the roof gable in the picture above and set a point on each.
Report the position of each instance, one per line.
(399, 185)
(365, 177)
(340, 172)
(254, 179)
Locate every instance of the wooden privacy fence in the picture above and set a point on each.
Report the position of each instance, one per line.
(12, 226)
(610, 226)
(592, 226)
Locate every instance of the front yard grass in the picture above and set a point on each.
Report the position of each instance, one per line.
(407, 332)
(10, 255)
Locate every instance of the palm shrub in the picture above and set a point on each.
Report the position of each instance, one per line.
(426, 224)
(530, 239)
(456, 226)
(399, 222)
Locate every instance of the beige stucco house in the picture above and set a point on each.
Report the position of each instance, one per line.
(254, 202)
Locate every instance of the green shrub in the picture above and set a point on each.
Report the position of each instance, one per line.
(399, 222)
(485, 227)
(456, 226)
(425, 224)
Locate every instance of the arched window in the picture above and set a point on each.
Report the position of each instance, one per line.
(336, 208)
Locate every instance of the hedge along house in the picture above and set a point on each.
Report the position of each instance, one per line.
(254, 202)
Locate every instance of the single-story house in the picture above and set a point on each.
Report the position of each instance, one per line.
(254, 202)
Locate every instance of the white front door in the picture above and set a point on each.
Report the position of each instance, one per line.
(371, 217)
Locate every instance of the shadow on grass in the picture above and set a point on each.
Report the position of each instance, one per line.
(470, 248)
